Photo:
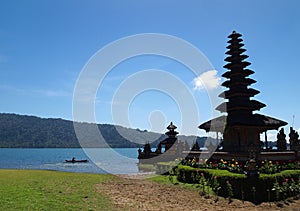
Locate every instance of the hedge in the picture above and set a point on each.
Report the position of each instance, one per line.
(264, 188)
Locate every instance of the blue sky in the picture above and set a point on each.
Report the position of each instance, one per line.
(44, 45)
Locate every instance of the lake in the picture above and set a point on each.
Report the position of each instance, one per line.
(101, 160)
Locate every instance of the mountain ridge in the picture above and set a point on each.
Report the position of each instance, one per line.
(27, 131)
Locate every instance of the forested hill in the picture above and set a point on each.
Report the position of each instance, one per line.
(21, 131)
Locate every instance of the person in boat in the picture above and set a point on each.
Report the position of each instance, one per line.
(73, 159)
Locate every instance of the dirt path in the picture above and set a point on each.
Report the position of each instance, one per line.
(139, 194)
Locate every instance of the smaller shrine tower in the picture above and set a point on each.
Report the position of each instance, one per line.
(171, 139)
(172, 148)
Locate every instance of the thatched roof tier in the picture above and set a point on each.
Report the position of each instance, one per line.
(236, 65)
(235, 40)
(171, 133)
(234, 34)
(244, 73)
(250, 105)
(171, 130)
(214, 125)
(262, 122)
(239, 80)
(235, 51)
(171, 126)
(233, 93)
(235, 45)
(236, 57)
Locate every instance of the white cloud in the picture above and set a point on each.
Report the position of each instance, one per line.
(207, 80)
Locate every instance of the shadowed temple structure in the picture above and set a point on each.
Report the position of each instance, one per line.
(173, 147)
(240, 125)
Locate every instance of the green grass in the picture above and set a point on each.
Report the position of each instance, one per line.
(165, 179)
(161, 179)
(50, 190)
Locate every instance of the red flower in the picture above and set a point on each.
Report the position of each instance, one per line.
(286, 179)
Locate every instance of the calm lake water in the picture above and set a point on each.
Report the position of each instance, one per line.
(101, 160)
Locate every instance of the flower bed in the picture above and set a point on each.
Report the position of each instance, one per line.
(267, 187)
(264, 167)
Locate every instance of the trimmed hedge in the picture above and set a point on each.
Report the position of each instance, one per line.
(266, 187)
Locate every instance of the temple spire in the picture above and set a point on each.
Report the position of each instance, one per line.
(241, 127)
(238, 94)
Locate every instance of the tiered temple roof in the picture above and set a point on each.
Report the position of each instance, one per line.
(239, 94)
(171, 133)
(239, 106)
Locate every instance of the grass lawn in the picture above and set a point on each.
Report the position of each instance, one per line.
(172, 180)
(50, 190)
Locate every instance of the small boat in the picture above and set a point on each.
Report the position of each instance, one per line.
(76, 161)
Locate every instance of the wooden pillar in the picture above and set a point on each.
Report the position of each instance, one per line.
(266, 140)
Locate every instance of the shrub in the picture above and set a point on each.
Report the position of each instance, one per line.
(243, 187)
(265, 167)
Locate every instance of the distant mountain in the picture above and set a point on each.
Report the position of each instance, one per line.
(22, 131)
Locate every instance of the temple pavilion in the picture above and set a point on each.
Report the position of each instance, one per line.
(241, 127)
